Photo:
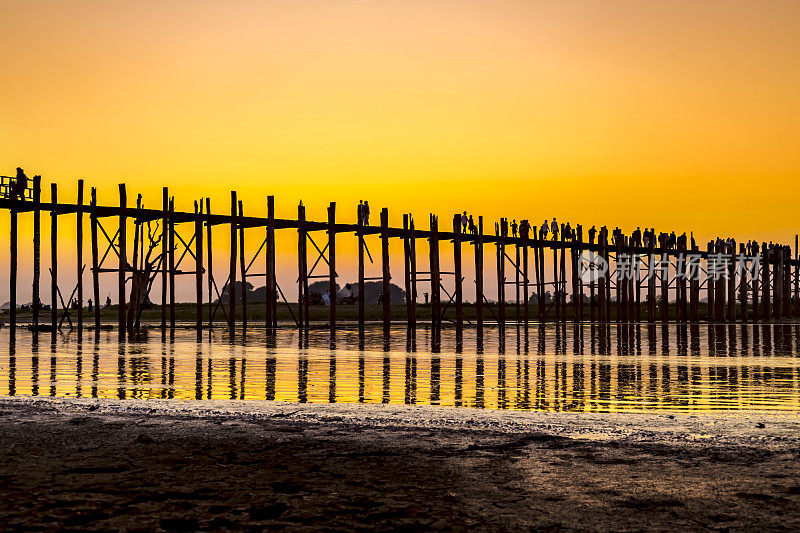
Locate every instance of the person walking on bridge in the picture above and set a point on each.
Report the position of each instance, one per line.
(554, 229)
(464, 222)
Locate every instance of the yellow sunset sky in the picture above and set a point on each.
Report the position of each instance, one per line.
(675, 114)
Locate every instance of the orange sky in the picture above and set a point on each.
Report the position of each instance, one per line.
(675, 114)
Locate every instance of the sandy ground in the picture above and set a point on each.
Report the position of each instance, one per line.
(216, 465)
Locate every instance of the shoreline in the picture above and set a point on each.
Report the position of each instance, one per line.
(220, 464)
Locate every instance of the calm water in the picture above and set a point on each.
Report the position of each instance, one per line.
(552, 368)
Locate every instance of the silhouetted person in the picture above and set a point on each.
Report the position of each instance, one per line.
(425, 294)
(514, 228)
(108, 302)
(19, 186)
(554, 229)
(90, 305)
(366, 213)
(592, 233)
(361, 211)
(464, 222)
(473, 229)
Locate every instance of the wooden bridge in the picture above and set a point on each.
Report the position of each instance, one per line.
(657, 292)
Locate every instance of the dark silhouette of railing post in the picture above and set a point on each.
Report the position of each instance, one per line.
(123, 260)
(79, 256)
(332, 292)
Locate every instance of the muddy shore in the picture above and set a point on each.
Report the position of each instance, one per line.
(216, 465)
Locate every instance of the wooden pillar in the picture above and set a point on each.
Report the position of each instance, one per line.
(271, 285)
(360, 235)
(95, 260)
(232, 269)
(576, 297)
(436, 312)
(332, 266)
(37, 253)
(732, 284)
(592, 302)
(743, 286)
(797, 276)
(556, 282)
(198, 265)
(407, 269)
(637, 283)
(681, 282)
(537, 259)
(620, 281)
(12, 275)
(710, 286)
(242, 267)
(694, 295)
(171, 255)
(386, 296)
(302, 267)
(54, 257)
(765, 281)
(603, 280)
(479, 276)
(210, 269)
(123, 258)
(413, 268)
(563, 275)
(79, 256)
(457, 269)
(719, 286)
(651, 279)
(755, 286)
(525, 294)
(664, 286)
(164, 255)
(517, 281)
(501, 272)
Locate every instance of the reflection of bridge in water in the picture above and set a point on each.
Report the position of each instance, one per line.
(598, 368)
(773, 291)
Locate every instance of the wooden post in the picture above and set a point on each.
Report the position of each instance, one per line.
(694, 295)
(592, 303)
(517, 281)
(651, 279)
(232, 270)
(164, 256)
(302, 268)
(171, 253)
(797, 276)
(130, 320)
(620, 281)
(54, 258)
(436, 315)
(360, 235)
(576, 297)
(271, 309)
(386, 294)
(79, 256)
(710, 286)
(732, 284)
(538, 258)
(37, 225)
(525, 295)
(198, 265)
(12, 276)
(407, 269)
(556, 281)
(332, 266)
(242, 267)
(765, 275)
(413, 267)
(755, 287)
(457, 270)
(743, 286)
(95, 260)
(479, 276)
(501, 272)
(123, 259)
(664, 286)
(563, 275)
(603, 280)
(719, 286)
(210, 270)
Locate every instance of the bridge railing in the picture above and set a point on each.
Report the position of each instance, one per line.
(8, 189)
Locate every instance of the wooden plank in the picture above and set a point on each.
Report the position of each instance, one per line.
(79, 256)
(332, 267)
(123, 259)
(95, 259)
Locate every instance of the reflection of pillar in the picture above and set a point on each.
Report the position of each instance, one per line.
(411, 380)
(121, 377)
(361, 377)
(332, 380)
(270, 378)
(386, 378)
(436, 379)
(302, 379)
(95, 370)
(459, 381)
(480, 389)
(12, 370)
(198, 378)
(232, 377)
